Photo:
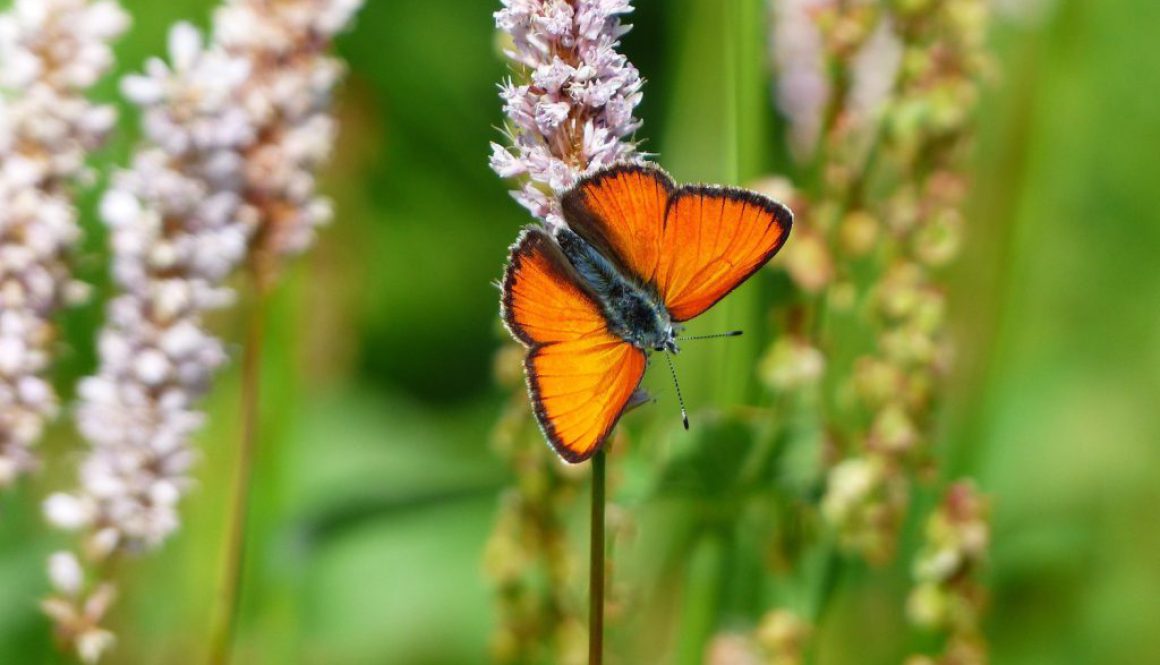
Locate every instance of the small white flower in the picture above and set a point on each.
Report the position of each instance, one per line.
(64, 571)
(92, 644)
(550, 115)
(142, 90)
(185, 46)
(35, 390)
(12, 356)
(505, 163)
(553, 76)
(119, 208)
(152, 367)
(106, 19)
(67, 511)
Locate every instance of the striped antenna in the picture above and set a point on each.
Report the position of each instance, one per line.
(680, 400)
(731, 333)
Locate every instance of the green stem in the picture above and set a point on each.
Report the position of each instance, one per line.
(229, 595)
(596, 568)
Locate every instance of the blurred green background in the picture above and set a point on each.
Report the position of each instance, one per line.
(376, 486)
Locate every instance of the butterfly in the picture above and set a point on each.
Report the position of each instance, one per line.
(638, 257)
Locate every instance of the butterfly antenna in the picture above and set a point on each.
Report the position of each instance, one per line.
(731, 333)
(680, 400)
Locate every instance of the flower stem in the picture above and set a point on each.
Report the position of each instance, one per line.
(596, 560)
(229, 595)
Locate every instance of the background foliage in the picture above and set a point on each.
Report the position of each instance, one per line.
(377, 488)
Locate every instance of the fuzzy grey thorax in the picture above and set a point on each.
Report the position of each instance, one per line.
(633, 310)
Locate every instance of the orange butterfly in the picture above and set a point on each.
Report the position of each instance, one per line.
(639, 256)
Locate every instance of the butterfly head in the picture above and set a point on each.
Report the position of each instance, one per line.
(669, 342)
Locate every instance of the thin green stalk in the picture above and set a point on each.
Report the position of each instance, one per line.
(596, 564)
(229, 595)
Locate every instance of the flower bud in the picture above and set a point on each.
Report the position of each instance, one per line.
(893, 431)
(791, 363)
(783, 636)
(808, 261)
(858, 233)
(937, 242)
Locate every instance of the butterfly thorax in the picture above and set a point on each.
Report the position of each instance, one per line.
(632, 309)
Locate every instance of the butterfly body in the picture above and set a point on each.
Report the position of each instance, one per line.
(634, 311)
(638, 257)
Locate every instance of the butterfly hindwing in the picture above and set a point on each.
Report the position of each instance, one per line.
(544, 301)
(714, 239)
(580, 376)
(580, 389)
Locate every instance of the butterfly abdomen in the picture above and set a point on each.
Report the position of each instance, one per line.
(633, 311)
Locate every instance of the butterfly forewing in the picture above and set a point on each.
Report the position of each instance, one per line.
(580, 376)
(714, 239)
(621, 211)
(693, 245)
